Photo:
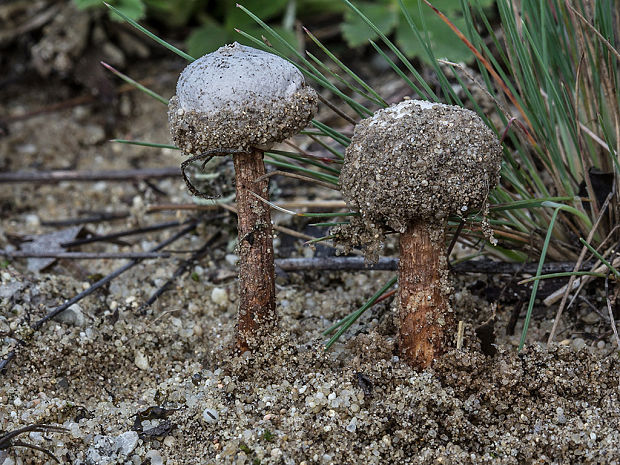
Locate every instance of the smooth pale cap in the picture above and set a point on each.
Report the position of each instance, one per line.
(239, 98)
(419, 161)
(235, 75)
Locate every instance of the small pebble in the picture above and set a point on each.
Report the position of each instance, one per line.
(590, 318)
(352, 426)
(210, 415)
(219, 296)
(578, 343)
(232, 259)
(73, 316)
(155, 457)
(141, 360)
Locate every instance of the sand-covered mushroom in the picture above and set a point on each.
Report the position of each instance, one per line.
(240, 101)
(408, 168)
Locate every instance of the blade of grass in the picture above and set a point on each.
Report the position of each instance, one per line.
(565, 274)
(337, 136)
(148, 33)
(485, 62)
(600, 257)
(343, 81)
(346, 69)
(135, 83)
(145, 144)
(306, 159)
(541, 262)
(346, 322)
(277, 161)
(430, 95)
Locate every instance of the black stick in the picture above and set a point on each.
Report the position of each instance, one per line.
(110, 277)
(36, 326)
(99, 218)
(391, 264)
(84, 255)
(116, 235)
(179, 271)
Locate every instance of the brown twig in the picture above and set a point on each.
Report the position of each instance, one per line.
(577, 267)
(610, 311)
(84, 255)
(337, 110)
(306, 154)
(7, 440)
(74, 102)
(53, 177)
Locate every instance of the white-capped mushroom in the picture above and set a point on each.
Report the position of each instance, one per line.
(240, 101)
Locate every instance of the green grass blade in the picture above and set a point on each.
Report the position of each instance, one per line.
(600, 257)
(337, 136)
(528, 204)
(343, 81)
(430, 95)
(135, 83)
(541, 262)
(396, 69)
(347, 70)
(346, 322)
(275, 160)
(148, 33)
(562, 275)
(145, 144)
(332, 150)
(300, 157)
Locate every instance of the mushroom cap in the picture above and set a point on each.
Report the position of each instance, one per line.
(419, 161)
(238, 98)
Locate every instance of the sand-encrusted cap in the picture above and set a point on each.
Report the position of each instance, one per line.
(238, 98)
(419, 161)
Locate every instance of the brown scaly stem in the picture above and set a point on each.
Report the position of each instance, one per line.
(257, 294)
(426, 319)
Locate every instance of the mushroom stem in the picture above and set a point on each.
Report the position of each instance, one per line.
(257, 294)
(426, 318)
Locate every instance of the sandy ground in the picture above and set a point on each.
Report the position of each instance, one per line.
(160, 385)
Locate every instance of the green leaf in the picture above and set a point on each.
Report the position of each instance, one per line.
(207, 38)
(212, 35)
(356, 32)
(134, 9)
(148, 33)
(236, 18)
(444, 43)
(84, 4)
(174, 13)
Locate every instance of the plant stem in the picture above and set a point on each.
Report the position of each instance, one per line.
(257, 294)
(426, 319)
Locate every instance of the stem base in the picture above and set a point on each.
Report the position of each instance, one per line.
(257, 316)
(426, 319)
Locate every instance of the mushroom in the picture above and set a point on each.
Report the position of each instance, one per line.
(240, 101)
(408, 168)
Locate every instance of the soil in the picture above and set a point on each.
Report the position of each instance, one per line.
(160, 385)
